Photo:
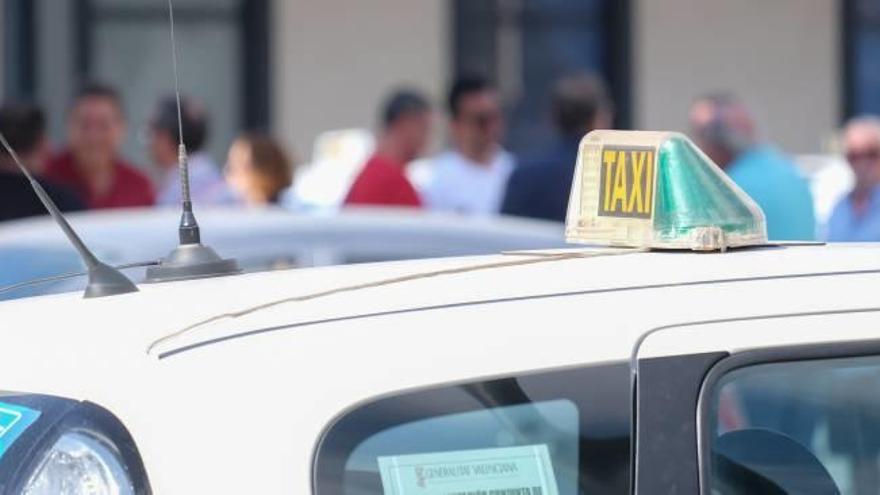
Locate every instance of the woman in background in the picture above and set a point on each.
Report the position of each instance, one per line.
(258, 170)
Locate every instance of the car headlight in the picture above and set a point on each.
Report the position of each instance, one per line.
(80, 463)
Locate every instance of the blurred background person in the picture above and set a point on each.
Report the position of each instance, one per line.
(258, 170)
(206, 182)
(24, 126)
(723, 127)
(471, 177)
(92, 164)
(406, 128)
(540, 186)
(857, 216)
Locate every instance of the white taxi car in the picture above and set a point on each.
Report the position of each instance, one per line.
(753, 368)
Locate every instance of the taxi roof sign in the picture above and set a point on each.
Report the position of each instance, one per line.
(657, 190)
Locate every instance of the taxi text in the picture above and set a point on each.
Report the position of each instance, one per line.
(627, 182)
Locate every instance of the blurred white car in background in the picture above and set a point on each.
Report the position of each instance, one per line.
(259, 239)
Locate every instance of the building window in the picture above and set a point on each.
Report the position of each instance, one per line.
(861, 32)
(17, 42)
(126, 43)
(524, 46)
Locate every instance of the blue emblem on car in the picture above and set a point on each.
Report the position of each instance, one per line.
(14, 420)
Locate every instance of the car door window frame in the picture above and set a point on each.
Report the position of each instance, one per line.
(770, 355)
(653, 471)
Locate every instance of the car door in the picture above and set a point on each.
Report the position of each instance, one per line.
(764, 404)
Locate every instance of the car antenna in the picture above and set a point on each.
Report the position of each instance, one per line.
(190, 259)
(104, 280)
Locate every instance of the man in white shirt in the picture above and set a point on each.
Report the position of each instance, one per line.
(206, 182)
(471, 178)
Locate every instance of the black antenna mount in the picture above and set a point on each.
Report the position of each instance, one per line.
(104, 280)
(191, 259)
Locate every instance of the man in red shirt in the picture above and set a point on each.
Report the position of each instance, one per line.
(92, 165)
(406, 127)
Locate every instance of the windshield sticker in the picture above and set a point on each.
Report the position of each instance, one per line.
(14, 420)
(523, 470)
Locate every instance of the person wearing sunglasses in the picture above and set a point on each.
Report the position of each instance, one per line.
(471, 177)
(857, 216)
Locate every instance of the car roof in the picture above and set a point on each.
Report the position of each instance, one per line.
(322, 295)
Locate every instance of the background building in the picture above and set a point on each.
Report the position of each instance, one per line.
(301, 67)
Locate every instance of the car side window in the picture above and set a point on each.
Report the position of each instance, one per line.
(564, 432)
(805, 427)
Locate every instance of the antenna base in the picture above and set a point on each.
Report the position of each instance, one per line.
(105, 280)
(191, 261)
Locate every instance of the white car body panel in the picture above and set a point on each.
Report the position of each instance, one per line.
(244, 415)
